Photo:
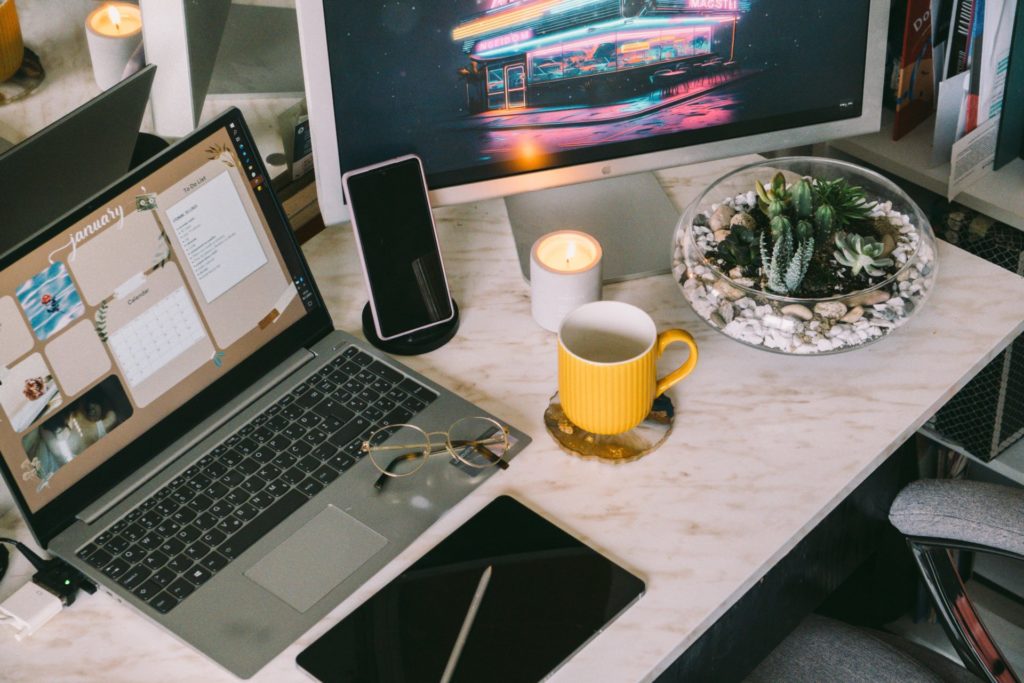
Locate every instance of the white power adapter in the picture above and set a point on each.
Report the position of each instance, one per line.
(28, 609)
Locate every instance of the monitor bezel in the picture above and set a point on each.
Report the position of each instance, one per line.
(49, 520)
(326, 159)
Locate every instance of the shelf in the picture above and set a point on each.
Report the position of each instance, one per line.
(1008, 464)
(998, 196)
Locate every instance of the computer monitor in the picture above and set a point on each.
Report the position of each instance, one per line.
(48, 174)
(502, 97)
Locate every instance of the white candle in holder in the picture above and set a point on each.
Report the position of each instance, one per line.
(113, 31)
(565, 273)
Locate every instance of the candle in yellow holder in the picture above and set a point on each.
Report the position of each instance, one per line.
(565, 273)
(11, 47)
(113, 31)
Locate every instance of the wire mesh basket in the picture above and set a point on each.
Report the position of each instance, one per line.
(987, 415)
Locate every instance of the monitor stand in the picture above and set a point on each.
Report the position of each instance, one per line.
(631, 216)
(273, 69)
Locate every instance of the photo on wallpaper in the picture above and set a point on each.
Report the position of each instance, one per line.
(28, 391)
(50, 301)
(66, 435)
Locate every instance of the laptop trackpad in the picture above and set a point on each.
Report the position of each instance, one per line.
(316, 558)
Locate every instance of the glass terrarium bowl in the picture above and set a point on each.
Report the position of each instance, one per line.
(734, 303)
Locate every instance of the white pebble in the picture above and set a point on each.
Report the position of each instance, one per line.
(779, 322)
(797, 311)
(830, 309)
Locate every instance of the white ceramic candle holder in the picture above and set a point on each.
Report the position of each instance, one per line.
(113, 31)
(565, 273)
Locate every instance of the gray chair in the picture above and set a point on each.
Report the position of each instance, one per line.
(936, 516)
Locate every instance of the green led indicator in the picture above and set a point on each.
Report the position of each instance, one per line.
(67, 582)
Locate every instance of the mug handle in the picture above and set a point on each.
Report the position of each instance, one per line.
(671, 337)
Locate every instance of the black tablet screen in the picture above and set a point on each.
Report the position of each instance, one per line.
(546, 595)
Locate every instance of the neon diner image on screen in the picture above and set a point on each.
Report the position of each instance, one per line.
(482, 89)
(576, 52)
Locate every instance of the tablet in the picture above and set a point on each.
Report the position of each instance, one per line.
(508, 596)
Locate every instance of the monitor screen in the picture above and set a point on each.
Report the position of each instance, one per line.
(485, 89)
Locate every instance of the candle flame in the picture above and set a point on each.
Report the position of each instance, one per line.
(570, 251)
(115, 17)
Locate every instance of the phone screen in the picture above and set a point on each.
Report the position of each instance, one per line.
(391, 215)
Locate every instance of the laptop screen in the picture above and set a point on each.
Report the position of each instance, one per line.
(150, 294)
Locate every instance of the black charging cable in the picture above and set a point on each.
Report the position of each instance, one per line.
(55, 575)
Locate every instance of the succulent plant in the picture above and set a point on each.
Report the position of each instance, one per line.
(797, 219)
(802, 198)
(861, 253)
(740, 248)
(772, 201)
(839, 204)
(790, 256)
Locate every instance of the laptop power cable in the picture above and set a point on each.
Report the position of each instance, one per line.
(54, 586)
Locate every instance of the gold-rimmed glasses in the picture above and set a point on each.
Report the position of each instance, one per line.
(400, 450)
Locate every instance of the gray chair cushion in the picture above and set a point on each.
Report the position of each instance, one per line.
(945, 668)
(960, 510)
(821, 649)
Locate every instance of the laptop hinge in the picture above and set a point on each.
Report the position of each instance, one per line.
(105, 503)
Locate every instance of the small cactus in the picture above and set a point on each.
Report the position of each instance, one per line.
(861, 253)
(772, 201)
(787, 264)
(802, 198)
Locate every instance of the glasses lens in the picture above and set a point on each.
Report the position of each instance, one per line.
(478, 441)
(398, 450)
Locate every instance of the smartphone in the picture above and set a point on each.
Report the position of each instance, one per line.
(397, 243)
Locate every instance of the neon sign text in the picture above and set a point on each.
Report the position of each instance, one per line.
(503, 40)
(730, 5)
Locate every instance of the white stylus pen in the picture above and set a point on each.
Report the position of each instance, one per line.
(467, 624)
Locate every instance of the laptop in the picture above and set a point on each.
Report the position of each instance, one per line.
(72, 159)
(181, 422)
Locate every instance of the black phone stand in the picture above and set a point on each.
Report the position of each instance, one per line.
(412, 344)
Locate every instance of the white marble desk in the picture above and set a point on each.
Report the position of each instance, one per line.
(764, 447)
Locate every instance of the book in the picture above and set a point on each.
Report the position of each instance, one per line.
(915, 87)
(958, 53)
(1010, 141)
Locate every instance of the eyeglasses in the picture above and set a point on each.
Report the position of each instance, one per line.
(400, 450)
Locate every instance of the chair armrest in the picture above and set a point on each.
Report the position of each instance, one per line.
(973, 512)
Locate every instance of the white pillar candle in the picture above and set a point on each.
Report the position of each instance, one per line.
(113, 31)
(565, 273)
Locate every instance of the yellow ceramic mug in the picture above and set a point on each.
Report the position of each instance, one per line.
(11, 47)
(607, 352)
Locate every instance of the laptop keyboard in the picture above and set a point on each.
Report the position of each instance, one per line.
(231, 497)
